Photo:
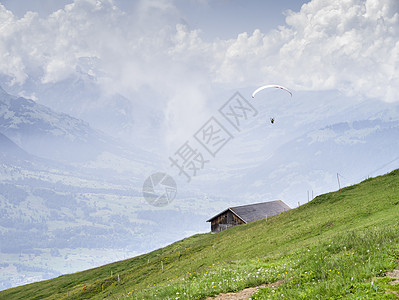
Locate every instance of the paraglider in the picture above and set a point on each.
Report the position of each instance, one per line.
(271, 86)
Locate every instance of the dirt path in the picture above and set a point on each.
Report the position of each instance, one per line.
(246, 293)
(395, 275)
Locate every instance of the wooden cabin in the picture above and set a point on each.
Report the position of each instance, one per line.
(244, 214)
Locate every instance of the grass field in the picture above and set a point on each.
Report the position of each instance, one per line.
(340, 245)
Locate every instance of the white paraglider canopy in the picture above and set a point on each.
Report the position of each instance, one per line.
(270, 86)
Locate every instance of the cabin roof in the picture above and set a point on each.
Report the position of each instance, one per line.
(252, 212)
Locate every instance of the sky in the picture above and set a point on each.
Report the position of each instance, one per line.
(175, 52)
(216, 19)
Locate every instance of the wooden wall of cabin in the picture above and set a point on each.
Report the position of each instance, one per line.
(224, 221)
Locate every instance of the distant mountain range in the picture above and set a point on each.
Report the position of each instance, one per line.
(70, 196)
(47, 133)
(10, 150)
(353, 150)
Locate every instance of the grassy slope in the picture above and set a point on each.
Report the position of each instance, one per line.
(337, 241)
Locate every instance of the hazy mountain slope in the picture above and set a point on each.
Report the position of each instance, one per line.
(354, 150)
(309, 163)
(46, 133)
(10, 150)
(82, 188)
(83, 97)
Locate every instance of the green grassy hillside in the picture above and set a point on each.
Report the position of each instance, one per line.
(341, 244)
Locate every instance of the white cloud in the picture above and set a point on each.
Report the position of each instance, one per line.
(348, 45)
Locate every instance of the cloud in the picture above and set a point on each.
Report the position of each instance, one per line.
(347, 45)
(50, 48)
(10, 63)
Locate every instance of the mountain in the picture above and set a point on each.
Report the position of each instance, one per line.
(70, 196)
(47, 133)
(10, 150)
(84, 97)
(353, 150)
(59, 137)
(339, 244)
